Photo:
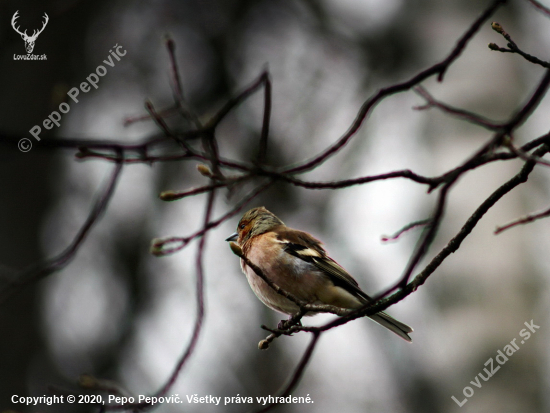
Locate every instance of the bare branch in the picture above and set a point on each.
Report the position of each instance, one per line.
(200, 301)
(513, 47)
(454, 244)
(181, 105)
(383, 303)
(437, 69)
(262, 151)
(431, 182)
(57, 263)
(158, 246)
(543, 9)
(182, 146)
(197, 325)
(237, 100)
(524, 155)
(460, 113)
(302, 305)
(408, 227)
(524, 220)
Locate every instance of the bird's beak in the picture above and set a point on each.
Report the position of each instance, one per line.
(232, 237)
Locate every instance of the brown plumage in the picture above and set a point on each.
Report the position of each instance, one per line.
(297, 262)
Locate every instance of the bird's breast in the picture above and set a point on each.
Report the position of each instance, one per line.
(292, 274)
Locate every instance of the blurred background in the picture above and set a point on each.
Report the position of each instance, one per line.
(119, 313)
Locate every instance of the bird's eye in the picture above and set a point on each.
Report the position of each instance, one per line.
(242, 226)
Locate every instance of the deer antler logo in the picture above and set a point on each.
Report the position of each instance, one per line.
(29, 40)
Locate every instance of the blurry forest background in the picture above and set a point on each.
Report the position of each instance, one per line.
(118, 312)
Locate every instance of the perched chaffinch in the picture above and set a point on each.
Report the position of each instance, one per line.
(296, 262)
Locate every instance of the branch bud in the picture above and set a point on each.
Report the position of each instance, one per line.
(493, 46)
(204, 170)
(169, 195)
(157, 245)
(82, 152)
(263, 345)
(497, 27)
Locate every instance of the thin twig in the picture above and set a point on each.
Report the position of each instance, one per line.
(513, 47)
(524, 220)
(237, 100)
(437, 69)
(165, 113)
(197, 325)
(491, 150)
(524, 155)
(405, 173)
(429, 234)
(161, 123)
(262, 150)
(200, 301)
(459, 113)
(57, 263)
(425, 240)
(301, 305)
(452, 246)
(158, 246)
(408, 227)
(543, 9)
(175, 195)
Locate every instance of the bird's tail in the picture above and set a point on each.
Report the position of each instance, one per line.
(392, 324)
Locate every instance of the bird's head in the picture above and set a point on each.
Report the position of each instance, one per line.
(254, 222)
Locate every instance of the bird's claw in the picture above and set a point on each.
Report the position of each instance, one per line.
(285, 324)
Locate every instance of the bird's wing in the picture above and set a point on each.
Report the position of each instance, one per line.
(304, 246)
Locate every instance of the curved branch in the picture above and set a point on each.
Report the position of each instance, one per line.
(437, 69)
(57, 263)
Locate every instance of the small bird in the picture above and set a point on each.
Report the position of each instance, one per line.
(297, 263)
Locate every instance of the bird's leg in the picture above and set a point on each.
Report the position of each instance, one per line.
(282, 324)
(293, 320)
